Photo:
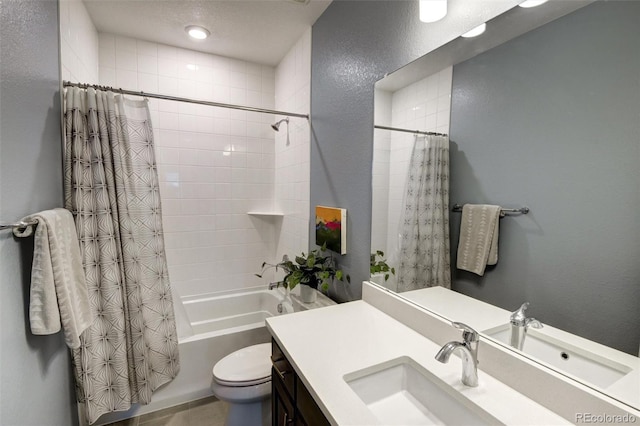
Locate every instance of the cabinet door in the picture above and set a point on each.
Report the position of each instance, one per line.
(309, 412)
(282, 409)
(282, 367)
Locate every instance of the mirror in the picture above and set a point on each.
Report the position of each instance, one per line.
(542, 114)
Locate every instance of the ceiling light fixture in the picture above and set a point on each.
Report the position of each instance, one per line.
(532, 3)
(197, 32)
(432, 10)
(476, 31)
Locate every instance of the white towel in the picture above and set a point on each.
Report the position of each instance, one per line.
(58, 287)
(478, 245)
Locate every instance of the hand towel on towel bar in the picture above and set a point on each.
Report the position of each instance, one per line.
(58, 287)
(478, 245)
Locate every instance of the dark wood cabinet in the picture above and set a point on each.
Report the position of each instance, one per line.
(291, 402)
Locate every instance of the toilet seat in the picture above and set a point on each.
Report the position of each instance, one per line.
(245, 367)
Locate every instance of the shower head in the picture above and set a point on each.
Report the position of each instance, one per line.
(276, 126)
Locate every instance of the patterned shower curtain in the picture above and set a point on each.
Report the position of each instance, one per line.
(111, 186)
(423, 257)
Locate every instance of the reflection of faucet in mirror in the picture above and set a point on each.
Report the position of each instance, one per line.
(469, 353)
(520, 324)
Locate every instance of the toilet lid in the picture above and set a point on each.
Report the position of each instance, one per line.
(244, 367)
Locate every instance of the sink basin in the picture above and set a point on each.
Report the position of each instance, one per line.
(579, 362)
(401, 392)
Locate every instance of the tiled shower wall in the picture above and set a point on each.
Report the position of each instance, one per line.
(78, 43)
(215, 164)
(380, 171)
(424, 105)
(292, 145)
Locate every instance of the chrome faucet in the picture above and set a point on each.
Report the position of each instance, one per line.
(468, 351)
(275, 284)
(519, 326)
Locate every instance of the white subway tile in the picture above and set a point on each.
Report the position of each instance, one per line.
(107, 50)
(187, 88)
(237, 96)
(170, 190)
(204, 124)
(148, 82)
(238, 159)
(169, 52)
(221, 126)
(125, 44)
(148, 64)
(127, 80)
(238, 175)
(444, 102)
(167, 67)
(253, 98)
(186, 56)
(146, 48)
(107, 76)
(223, 174)
(237, 128)
(168, 86)
(186, 122)
(126, 60)
(221, 93)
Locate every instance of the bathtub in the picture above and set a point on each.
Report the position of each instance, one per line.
(209, 327)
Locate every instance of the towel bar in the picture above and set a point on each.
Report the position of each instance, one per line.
(17, 225)
(522, 210)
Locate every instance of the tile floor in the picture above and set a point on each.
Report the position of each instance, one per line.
(203, 412)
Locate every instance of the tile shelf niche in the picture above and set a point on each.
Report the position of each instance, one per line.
(265, 213)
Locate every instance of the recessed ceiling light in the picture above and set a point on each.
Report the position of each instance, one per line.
(432, 10)
(532, 3)
(476, 31)
(197, 32)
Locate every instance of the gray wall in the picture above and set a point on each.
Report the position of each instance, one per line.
(551, 120)
(354, 44)
(36, 385)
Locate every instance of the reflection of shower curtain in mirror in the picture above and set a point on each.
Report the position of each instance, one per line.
(111, 186)
(423, 258)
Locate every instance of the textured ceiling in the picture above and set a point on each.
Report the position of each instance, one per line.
(259, 31)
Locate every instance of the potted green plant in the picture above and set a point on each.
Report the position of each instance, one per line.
(380, 266)
(313, 270)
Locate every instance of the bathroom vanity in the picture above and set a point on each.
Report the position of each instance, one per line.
(291, 402)
(350, 364)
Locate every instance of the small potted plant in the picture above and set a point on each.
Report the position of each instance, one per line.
(380, 267)
(313, 270)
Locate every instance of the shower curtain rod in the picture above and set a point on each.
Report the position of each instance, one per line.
(417, 132)
(187, 100)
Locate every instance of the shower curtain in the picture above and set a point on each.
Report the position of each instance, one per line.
(423, 256)
(111, 186)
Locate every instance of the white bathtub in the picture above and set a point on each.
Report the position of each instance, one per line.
(228, 313)
(209, 327)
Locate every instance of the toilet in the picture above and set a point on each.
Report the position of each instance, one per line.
(243, 379)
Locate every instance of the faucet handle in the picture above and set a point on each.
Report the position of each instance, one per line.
(518, 317)
(468, 334)
(532, 322)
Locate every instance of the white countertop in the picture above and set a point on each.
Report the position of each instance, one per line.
(325, 344)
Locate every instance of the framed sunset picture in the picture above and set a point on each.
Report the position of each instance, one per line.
(331, 228)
